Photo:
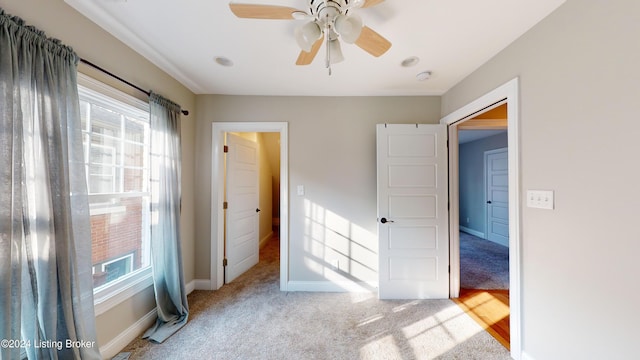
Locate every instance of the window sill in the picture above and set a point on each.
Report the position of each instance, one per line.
(121, 290)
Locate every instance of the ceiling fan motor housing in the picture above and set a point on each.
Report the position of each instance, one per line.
(327, 10)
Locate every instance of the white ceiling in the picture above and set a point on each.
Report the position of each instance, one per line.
(452, 38)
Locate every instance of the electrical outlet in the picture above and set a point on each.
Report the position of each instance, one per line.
(467, 220)
(541, 199)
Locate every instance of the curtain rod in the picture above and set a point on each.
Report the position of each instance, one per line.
(184, 112)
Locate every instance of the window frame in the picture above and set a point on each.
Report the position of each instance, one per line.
(110, 295)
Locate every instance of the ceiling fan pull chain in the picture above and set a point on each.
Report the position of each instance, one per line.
(327, 34)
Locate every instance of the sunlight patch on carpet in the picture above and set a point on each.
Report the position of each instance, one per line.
(426, 338)
(440, 333)
(382, 348)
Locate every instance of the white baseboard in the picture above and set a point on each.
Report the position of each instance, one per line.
(197, 284)
(190, 286)
(202, 284)
(332, 286)
(472, 232)
(113, 347)
(265, 239)
(526, 356)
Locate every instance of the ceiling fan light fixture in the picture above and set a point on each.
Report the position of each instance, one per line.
(336, 52)
(307, 34)
(349, 27)
(357, 3)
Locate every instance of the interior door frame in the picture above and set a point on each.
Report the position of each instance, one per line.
(507, 93)
(217, 195)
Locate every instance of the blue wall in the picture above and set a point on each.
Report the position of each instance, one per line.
(471, 170)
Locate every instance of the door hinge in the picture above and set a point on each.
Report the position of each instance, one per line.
(449, 269)
(225, 148)
(225, 205)
(225, 262)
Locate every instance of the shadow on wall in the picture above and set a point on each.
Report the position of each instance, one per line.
(339, 250)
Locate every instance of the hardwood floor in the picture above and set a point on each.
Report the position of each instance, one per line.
(490, 309)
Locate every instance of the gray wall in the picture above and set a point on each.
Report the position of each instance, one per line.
(579, 106)
(332, 153)
(60, 21)
(579, 87)
(472, 181)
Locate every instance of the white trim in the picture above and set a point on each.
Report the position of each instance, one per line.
(113, 347)
(197, 284)
(93, 10)
(202, 284)
(508, 92)
(472, 232)
(97, 90)
(121, 289)
(454, 214)
(334, 286)
(217, 195)
(526, 356)
(265, 240)
(190, 286)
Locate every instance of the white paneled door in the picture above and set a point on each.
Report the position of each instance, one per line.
(413, 215)
(242, 244)
(497, 180)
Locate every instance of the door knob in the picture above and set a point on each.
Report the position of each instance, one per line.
(384, 220)
(488, 201)
(257, 210)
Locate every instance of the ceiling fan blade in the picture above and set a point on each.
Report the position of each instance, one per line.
(372, 42)
(305, 58)
(255, 11)
(370, 3)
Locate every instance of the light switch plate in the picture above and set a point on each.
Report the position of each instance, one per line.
(300, 190)
(541, 199)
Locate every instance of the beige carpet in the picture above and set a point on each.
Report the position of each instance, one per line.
(252, 319)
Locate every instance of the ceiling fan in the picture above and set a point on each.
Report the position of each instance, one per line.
(325, 21)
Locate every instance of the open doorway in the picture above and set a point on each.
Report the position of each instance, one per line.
(484, 224)
(483, 200)
(505, 94)
(268, 133)
(251, 205)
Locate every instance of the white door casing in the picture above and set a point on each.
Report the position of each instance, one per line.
(218, 131)
(496, 167)
(509, 93)
(412, 211)
(242, 221)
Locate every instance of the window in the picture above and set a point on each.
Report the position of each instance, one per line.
(116, 138)
(118, 267)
